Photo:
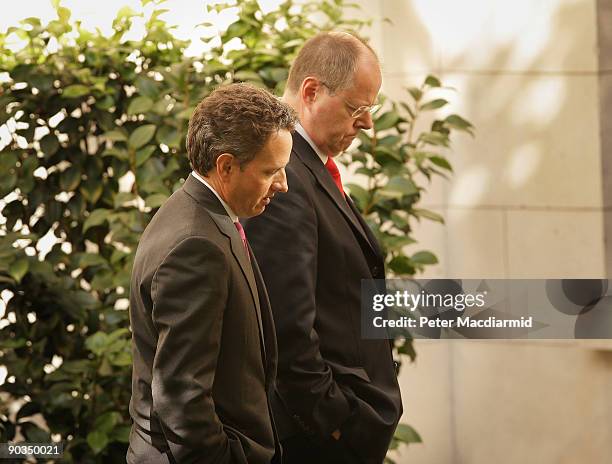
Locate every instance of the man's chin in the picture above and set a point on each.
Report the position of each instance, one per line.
(346, 144)
(258, 210)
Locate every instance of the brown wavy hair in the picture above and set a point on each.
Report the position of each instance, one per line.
(236, 119)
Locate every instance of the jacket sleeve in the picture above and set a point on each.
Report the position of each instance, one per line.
(189, 292)
(285, 243)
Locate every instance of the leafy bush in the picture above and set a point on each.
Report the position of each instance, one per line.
(96, 127)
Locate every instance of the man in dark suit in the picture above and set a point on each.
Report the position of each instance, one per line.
(338, 398)
(203, 337)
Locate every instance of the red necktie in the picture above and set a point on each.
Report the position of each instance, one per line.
(333, 170)
(240, 230)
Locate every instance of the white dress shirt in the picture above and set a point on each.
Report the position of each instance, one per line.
(300, 130)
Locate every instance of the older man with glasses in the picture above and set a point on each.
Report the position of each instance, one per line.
(338, 400)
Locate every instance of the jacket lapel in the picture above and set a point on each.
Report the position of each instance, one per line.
(267, 322)
(312, 161)
(211, 203)
(368, 232)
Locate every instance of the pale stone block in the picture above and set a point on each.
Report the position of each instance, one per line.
(555, 244)
(475, 243)
(407, 43)
(537, 141)
(523, 35)
(533, 403)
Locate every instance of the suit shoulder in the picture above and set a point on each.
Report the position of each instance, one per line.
(179, 218)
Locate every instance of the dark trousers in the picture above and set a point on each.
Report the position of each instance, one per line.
(300, 449)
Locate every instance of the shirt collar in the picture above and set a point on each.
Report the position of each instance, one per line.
(300, 130)
(230, 213)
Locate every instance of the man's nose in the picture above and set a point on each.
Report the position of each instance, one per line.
(280, 184)
(364, 121)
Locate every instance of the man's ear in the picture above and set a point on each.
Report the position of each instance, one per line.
(224, 165)
(311, 86)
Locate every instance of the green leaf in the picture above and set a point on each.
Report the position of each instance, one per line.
(170, 136)
(91, 190)
(393, 243)
(144, 154)
(416, 94)
(369, 172)
(96, 217)
(97, 343)
(434, 138)
(63, 14)
(401, 265)
(115, 135)
(434, 104)
(126, 12)
(121, 434)
(140, 105)
(427, 214)
(156, 200)
(79, 366)
(399, 186)
(70, 179)
(121, 359)
(75, 91)
(408, 109)
(13, 343)
(399, 220)
(18, 269)
(424, 257)
(118, 334)
(32, 21)
(8, 159)
(360, 195)
(141, 136)
(105, 103)
(119, 153)
(107, 422)
(237, 29)
(146, 87)
(33, 433)
(407, 434)
(381, 153)
(28, 409)
(97, 441)
(247, 76)
(441, 162)
(386, 121)
(91, 259)
(122, 198)
(84, 299)
(457, 122)
(432, 81)
(8, 181)
(49, 145)
(389, 140)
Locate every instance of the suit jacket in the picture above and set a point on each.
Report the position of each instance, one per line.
(314, 248)
(203, 340)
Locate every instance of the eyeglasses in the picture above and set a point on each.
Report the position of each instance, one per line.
(356, 111)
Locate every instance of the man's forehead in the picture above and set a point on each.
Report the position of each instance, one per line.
(365, 89)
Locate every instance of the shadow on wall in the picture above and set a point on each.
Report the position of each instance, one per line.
(525, 201)
(529, 185)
